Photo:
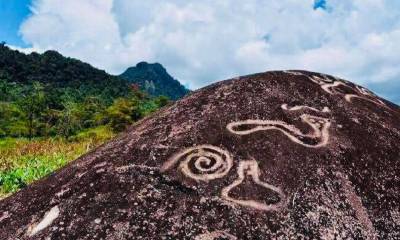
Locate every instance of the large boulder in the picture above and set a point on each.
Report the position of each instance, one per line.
(276, 155)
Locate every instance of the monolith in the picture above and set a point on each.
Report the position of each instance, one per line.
(275, 155)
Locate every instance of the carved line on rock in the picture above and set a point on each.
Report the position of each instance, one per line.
(319, 125)
(366, 95)
(301, 107)
(210, 162)
(251, 168)
(47, 220)
(293, 73)
(215, 235)
(329, 86)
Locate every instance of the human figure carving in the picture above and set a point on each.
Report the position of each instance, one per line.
(250, 169)
(203, 163)
(207, 162)
(318, 137)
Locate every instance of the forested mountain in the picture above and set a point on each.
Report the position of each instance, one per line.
(154, 79)
(52, 95)
(59, 75)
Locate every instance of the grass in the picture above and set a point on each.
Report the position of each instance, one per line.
(24, 161)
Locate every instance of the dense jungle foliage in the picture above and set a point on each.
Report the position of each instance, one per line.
(53, 109)
(47, 94)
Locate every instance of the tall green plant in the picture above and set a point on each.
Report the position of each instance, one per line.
(32, 104)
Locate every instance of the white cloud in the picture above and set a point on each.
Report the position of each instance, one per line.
(203, 41)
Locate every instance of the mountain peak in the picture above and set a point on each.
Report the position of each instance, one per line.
(149, 65)
(154, 79)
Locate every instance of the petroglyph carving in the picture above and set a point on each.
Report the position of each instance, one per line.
(215, 235)
(133, 166)
(318, 137)
(301, 107)
(47, 220)
(207, 162)
(204, 162)
(250, 168)
(331, 86)
(4, 215)
(322, 80)
(293, 73)
(366, 95)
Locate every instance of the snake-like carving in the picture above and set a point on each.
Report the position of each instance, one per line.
(366, 95)
(318, 137)
(250, 168)
(301, 107)
(331, 87)
(203, 163)
(208, 162)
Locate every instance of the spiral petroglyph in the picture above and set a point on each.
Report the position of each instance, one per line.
(250, 168)
(318, 137)
(301, 107)
(204, 162)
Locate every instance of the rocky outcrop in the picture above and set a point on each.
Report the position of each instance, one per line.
(277, 155)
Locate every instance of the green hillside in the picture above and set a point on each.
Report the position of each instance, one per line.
(54, 109)
(59, 75)
(154, 79)
(52, 95)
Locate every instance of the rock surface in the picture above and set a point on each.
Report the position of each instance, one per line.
(277, 155)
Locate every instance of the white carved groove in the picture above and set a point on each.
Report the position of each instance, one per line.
(204, 162)
(301, 107)
(318, 137)
(250, 168)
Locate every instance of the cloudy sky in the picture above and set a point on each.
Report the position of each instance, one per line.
(200, 42)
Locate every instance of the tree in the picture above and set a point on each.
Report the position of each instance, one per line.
(162, 101)
(91, 107)
(123, 112)
(69, 122)
(11, 123)
(32, 105)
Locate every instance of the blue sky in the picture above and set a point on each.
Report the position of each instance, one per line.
(12, 14)
(319, 4)
(201, 42)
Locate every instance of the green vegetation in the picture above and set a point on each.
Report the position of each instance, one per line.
(53, 109)
(23, 161)
(36, 139)
(155, 80)
(29, 111)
